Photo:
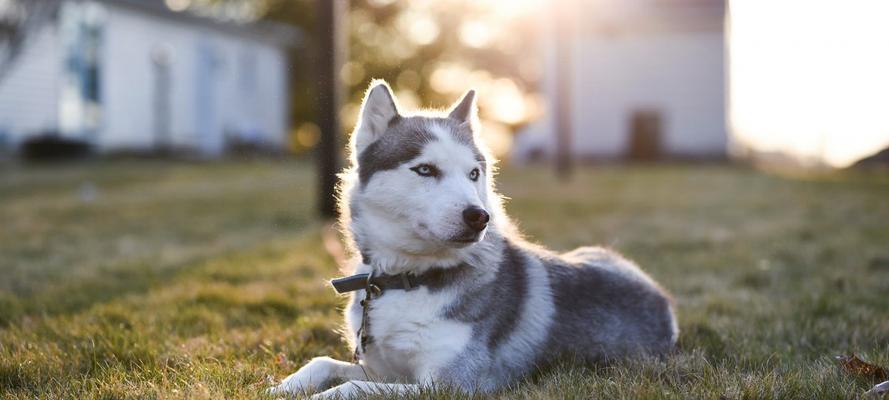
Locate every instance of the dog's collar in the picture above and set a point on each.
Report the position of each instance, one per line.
(433, 279)
(378, 283)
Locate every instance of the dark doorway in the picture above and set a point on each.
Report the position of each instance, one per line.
(645, 136)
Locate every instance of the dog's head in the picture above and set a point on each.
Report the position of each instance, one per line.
(422, 180)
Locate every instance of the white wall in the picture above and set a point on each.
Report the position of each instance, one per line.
(129, 84)
(29, 90)
(680, 74)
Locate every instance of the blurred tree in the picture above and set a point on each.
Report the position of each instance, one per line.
(429, 51)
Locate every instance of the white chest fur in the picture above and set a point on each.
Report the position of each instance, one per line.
(410, 339)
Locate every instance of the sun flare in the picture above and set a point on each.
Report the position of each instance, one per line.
(809, 78)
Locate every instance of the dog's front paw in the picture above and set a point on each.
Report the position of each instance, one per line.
(310, 378)
(292, 385)
(344, 391)
(284, 390)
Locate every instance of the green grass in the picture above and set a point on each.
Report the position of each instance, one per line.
(205, 280)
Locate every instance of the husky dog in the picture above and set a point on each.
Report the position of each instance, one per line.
(459, 299)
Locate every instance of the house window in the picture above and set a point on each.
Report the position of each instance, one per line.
(81, 33)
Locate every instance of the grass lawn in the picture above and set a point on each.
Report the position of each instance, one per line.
(162, 280)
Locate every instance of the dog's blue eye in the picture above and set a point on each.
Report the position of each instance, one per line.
(425, 170)
(473, 175)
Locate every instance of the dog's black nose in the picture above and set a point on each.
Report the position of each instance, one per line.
(476, 217)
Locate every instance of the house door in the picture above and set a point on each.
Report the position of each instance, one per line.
(645, 136)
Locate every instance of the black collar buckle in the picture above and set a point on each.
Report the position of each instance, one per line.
(372, 288)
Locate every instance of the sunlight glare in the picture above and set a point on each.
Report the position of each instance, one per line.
(506, 102)
(475, 34)
(421, 28)
(809, 78)
(497, 137)
(177, 5)
(513, 8)
(308, 134)
(380, 3)
(448, 78)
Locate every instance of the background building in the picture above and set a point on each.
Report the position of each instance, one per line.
(135, 75)
(648, 80)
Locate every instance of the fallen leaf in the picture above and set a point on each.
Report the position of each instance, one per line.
(863, 369)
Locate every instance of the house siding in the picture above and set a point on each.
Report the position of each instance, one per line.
(666, 60)
(679, 75)
(29, 89)
(220, 83)
(207, 98)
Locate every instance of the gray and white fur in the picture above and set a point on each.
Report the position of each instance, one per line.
(419, 197)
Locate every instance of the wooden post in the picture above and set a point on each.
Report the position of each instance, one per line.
(563, 24)
(330, 24)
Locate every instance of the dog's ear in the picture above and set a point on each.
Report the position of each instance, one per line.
(377, 110)
(465, 110)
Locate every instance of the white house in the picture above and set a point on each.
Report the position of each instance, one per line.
(647, 78)
(134, 75)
